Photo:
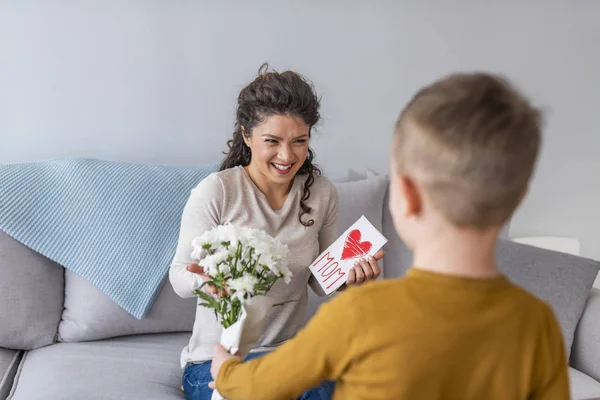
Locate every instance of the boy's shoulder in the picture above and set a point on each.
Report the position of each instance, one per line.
(531, 306)
(528, 299)
(373, 293)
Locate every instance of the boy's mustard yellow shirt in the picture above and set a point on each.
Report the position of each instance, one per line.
(425, 336)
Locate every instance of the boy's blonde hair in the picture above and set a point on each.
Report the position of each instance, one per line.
(471, 141)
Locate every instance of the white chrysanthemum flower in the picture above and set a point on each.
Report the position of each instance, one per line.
(267, 260)
(228, 233)
(245, 254)
(280, 251)
(228, 250)
(245, 235)
(197, 253)
(244, 284)
(222, 233)
(224, 269)
(197, 242)
(208, 237)
(286, 274)
(210, 265)
(231, 251)
(221, 255)
(197, 249)
(239, 295)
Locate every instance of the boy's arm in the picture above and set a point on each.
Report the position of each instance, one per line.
(321, 351)
(551, 374)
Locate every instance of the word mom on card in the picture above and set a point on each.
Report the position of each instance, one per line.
(332, 266)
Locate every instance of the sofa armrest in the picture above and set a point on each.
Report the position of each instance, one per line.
(585, 353)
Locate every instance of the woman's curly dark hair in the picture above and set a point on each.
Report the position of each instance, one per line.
(274, 93)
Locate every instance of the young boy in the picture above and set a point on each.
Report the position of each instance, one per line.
(454, 327)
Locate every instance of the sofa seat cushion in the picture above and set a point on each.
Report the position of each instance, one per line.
(131, 367)
(583, 386)
(9, 363)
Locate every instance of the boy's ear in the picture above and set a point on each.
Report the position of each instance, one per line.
(524, 195)
(412, 198)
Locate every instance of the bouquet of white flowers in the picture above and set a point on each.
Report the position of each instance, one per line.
(242, 265)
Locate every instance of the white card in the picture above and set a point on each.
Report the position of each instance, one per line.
(331, 267)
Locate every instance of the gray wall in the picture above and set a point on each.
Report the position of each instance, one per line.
(155, 81)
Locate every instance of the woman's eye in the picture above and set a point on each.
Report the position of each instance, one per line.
(271, 141)
(301, 141)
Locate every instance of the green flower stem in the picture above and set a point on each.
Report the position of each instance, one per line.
(228, 309)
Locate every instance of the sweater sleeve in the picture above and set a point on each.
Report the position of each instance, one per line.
(551, 381)
(329, 233)
(321, 351)
(200, 214)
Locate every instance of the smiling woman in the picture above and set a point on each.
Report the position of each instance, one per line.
(267, 181)
(274, 121)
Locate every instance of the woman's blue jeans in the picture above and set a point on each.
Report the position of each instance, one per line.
(197, 376)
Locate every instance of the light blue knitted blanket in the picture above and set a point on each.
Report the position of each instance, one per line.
(115, 224)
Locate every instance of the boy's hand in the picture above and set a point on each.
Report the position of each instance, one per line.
(365, 269)
(220, 355)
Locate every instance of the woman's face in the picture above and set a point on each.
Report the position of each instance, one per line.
(279, 147)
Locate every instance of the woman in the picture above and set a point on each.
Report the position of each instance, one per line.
(267, 181)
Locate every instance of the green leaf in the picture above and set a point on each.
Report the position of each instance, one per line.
(208, 299)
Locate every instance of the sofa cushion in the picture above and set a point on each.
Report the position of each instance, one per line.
(362, 197)
(31, 296)
(9, 363)
(561, 279)
(582, 386)
(132, 367)
(90, 315)
(585, 353)
(398, 257)
(356, 198)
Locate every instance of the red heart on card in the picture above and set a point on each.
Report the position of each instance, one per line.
(353, 247)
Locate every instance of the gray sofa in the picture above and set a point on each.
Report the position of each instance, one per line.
(61, 338)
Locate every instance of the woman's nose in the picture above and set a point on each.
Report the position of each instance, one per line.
(285, 153)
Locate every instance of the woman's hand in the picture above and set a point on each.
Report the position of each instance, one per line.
(220, 355)
(210, 289)
(365, 269)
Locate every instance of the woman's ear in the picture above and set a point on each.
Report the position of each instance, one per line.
(244, 136)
